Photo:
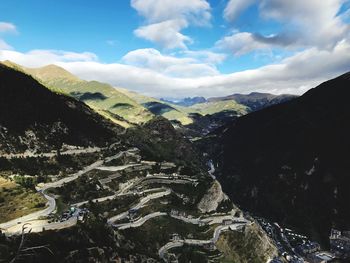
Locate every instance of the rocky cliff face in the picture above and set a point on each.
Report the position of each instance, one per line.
(248, 246)
(212, 198)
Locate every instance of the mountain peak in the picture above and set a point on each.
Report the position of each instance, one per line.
(52, 72)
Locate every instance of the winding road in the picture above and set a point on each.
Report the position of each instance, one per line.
(198, 242)
(51, 203)
(140, 221)
(142, 202)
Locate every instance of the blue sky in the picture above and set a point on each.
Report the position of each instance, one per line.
(184, 47)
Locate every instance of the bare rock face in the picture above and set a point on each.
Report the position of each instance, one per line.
(212, 198)
(250, 245)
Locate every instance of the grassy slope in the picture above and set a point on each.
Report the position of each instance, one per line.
(129, 105)
(179, 114)
(182, 114)
(215, 107)
(108, 103)
(16, 201)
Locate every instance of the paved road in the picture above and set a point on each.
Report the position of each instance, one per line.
(52, 154)
(198, 242)
(59, 183)
(111, 197)
(168, 246)
(140, 221)
(41, 225)
(116, 168)
(51, 205)
(51, 201)
(142, 202)
(211, 220)
(101, 199)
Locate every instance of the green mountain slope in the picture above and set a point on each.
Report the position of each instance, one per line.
(102, 97)
(160, 108)
(219, 106)
(185, 114)
(123, 106)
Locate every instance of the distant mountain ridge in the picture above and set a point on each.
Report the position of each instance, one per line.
(256, 100)
(128, 108)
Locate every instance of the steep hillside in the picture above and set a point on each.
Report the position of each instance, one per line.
(255, 100)
(289, 162)
(160, 108)
(34, 118)
(188, 115)
(102, 97)
(210, 108)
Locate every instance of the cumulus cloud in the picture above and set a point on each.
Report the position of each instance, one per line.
(4, 45)
(310, 23)
(168, 65)
(39, 58)
(240, 43)
(7, 27)
(155, 11)
(295, 74)
(317, 22)
(206, 56)
(166, 33)
(165, 19)
(235, 7)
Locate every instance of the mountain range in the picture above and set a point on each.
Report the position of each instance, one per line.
(282, 158)
(128, 108)
(77, 186)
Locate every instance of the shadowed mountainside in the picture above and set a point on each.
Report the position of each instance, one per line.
(289, 162)
(33, 117)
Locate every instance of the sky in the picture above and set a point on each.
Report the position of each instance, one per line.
(180, 48)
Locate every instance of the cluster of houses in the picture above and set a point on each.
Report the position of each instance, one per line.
(340, 243)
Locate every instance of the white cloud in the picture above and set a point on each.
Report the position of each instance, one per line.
(7, 27)
(240, 43)
(206, 56)
(235, 7)
(295, 74)
(4, 45)
(316, 22)
(39, 58)
(166, 33)
(155, 11)
(165, 19)
(168, 65)
(305, 24)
